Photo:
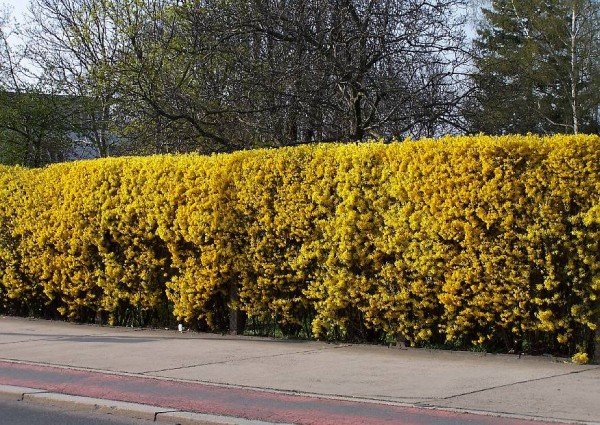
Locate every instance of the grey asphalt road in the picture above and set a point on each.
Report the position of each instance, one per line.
(22, 413)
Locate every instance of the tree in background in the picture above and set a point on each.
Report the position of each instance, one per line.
(36, 126)
(75, 44)
(221, 75)
(152, 76)
(538, 67)
(5, 57)
(179, 82)
(377, 68)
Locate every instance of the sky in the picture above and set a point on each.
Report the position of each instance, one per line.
(19, 10)
(18, 7)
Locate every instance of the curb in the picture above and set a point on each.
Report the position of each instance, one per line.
(120, 408)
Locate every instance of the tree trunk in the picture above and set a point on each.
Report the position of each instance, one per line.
(102, 130)
(237, 318)
(574, 97)
(597, 345)
(358, 130)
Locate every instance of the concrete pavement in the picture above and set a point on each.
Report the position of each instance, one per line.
(527, 387)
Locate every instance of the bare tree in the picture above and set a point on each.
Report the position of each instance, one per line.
(219, 75)
(76, 46)
(376, 58)
(228, 75)
(31, 131)
(583, 44)
(10, 59)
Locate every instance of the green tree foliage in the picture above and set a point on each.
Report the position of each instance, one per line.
(76, 45)
(36, 128)
(537, 67)
(38, 125)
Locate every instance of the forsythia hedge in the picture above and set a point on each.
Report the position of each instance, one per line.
(463, 240)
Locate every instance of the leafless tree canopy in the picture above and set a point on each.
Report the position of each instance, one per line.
(220, 75)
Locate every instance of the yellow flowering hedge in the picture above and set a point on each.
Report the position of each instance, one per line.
(489, 241)
(18, 294)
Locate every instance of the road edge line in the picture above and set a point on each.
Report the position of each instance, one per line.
(119, 408)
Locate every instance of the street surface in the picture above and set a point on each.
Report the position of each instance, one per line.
(294, 381)
(21, 413)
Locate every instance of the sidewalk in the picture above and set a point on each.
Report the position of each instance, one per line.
(296, 372)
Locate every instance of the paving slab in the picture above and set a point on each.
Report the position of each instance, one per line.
(15, 330)
(126, 350)
(574, 397)
(375, 372)
(539, 387)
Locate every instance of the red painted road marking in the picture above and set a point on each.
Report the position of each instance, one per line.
(245, 403)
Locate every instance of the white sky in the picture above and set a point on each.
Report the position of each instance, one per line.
(19, 10)
(18, 7)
